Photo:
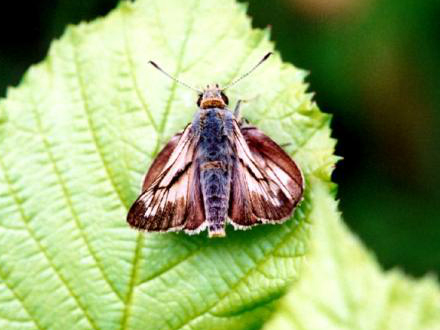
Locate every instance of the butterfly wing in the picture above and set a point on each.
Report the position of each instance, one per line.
(266, 182)
(171, 198)
(160, 161)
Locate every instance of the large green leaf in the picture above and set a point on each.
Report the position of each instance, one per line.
(77, 136)
(342, 286)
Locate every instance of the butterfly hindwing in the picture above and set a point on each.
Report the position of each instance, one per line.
(171, 192)
(266, 182)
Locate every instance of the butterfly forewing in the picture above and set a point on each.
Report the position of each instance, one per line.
(266, 182)
(273, 159)
(160, 161)
(171, 191)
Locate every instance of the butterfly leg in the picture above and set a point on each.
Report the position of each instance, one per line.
(237, 114)
(237, 110)
(242, 121)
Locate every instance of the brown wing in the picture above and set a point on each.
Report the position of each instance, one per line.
(171, 198)
(266, 182)
(160, 161)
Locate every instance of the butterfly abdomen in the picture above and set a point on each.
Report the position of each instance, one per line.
(215, 169)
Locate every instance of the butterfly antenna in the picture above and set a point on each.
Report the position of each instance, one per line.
(265, 57)
(173, 78)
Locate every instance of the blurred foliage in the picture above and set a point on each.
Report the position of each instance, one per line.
(374, 64)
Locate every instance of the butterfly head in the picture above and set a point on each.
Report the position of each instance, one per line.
(212, 97)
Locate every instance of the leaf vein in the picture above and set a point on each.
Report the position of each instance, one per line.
(131, 66)
(42, 249)
(21, 301)
(92, 128)
(245, 276)
(69, 203)
(128, 302)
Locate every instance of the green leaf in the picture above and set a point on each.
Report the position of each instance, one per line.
(77, 136)
(342, 286)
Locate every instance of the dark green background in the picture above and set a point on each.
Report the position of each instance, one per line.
(375, 65)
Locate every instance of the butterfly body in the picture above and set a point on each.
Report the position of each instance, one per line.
(214, 127)
(217, 171)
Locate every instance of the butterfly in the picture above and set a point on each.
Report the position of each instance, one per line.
(218, 170)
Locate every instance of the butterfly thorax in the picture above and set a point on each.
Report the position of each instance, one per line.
(215, 163)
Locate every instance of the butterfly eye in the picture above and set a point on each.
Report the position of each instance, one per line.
(199, 100)
(225, 98)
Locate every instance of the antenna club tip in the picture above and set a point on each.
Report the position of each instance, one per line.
(153, 64)
(267, 55)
